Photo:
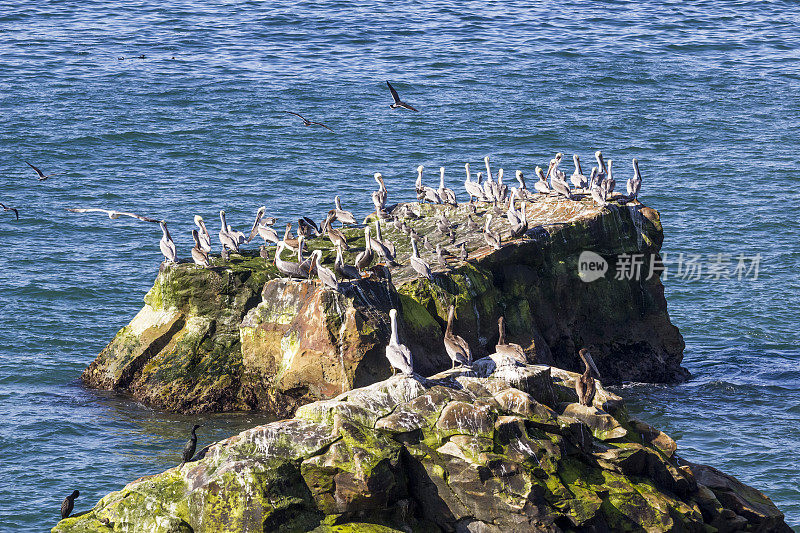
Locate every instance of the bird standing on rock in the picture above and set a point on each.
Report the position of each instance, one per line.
(585, 386)
(399, 355)
(456, 347)
(166, 244)
(188, 450)
(68, 504)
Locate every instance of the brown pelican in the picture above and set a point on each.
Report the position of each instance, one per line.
(541, 185)
(501, 189)
(511, 213)
(598, 195)
(456, 347)
(41, 174)
(397, 102)
(440, 255)
(585, 386)
(635, 183)
(166, 244)
(377, 245)
(290, 242)
(448, 196)
(306, 227)
(473, 188)
(256, 223)
(344, 270)
(399, 355)
(601, 166)
(225, 238)
(420, 266)
(12, 209)
(470, 224)
(345, 217)
(379, 197)
(323, 273)
(204, 238)
(426, 193)
(520, 228)
(268, 234)
(463, 254)
(289, 268)
(578, 179)
(364, 258)
(111, 213)
(199, 254)
(68, 504)
(557, 178)
(609, 183)
(522, 192)
(307, 122)
(335, 236)
(492, 239)
(506, 348)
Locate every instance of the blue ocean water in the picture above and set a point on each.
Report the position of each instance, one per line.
(704, 94)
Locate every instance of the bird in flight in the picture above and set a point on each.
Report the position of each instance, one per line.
(307, 122)
(41, 174)
(397, 102)
(111, 214)
(10, 209)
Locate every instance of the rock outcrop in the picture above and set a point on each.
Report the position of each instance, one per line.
(240, 337)
(500, 448)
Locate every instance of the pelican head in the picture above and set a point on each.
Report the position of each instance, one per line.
(198, 219)
(636, 172)
(576, 159)
(587, 359)
(559, 155)
(479, 177)
(540, 173)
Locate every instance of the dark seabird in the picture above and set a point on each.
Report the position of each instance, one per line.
(5, 208)
(68, 504)
(585, 386)
(397, 102)
(508, 348)
(307, 122)
(41, 174)
(199, 254)
(364, 259)
(343, 269)
(188, 450)
(399, 355)
(456, 347)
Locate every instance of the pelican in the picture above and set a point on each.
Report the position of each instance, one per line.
(585, 386)
(492, 239)
(289, 268)
(635, 183)
(522, 192)
(377, 245)
(268, 234)
(512, 214)
(166, 244)
(471, 225)
(440, 255)
(203, 236)
(501, 189)
(443, 224)
(506, 348)
(199, 253)
(323, 273)
(598, 195)
(306, 264)
(456, 347)
(541, 186)
(520, 228)
(345, 217)
(577, 178)
(463, 255)
(335, 236)
(557, 181)
(256, 223)
(473, 188)
(427, 193)
(225, 238)
(448, 196)
(399, 355)
(111, 213)
(601, 166)
(609, 183)
(593, 178)
(307, 227)
(379, 197)
(420, 266)
(290, 242)
(364, 258)
(344, 270)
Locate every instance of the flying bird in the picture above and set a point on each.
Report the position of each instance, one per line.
(10, 209)
(307, 122)
(111, 213)
(41, 174)
(397, 102)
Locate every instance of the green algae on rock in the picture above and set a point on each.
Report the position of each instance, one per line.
(239, 337)
(492, 449)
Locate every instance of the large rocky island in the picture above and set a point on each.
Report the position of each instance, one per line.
(503, 445)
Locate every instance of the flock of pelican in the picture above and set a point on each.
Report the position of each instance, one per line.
(491, 191)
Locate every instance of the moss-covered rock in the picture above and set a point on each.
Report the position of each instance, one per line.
(239, 337)
(459, 451)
